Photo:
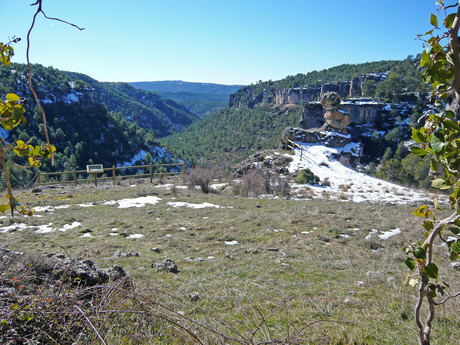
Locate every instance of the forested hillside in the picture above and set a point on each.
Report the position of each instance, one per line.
(202, 99)
(145, 108)
(232, 134)
(79, 125)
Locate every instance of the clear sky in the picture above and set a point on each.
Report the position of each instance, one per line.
(220, 41)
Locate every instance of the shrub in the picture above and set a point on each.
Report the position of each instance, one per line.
(307, 176)
(200, 177)
(257, 182)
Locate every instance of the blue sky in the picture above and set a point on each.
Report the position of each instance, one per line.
(221, 41)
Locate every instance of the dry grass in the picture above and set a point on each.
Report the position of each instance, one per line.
(250, 287)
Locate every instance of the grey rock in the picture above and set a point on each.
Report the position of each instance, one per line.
(156, 250)
(167, 265)
(120, 253)
(195, 296)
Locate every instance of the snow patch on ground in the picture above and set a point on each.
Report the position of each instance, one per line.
(134, 236)
(186, 204)
(134, 202)
(66, 227)
(18, 226)
(44, 229)
(346, 183)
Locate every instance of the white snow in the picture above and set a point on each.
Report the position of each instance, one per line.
(87, 234)
(89, 204)
(231, 243)
(371, 234)
(385, 235)
(18, 226)
(43, 209)
(186, 204)
(134, 236)
(44, 229)
(66, 227)
(135, 202)
(62, 207)
(346, 183)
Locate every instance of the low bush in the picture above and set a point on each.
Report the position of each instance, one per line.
(257, 182)
(307, 176)
(200, 177)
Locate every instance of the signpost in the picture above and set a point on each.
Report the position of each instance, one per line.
(95, 169)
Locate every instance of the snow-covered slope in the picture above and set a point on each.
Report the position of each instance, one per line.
(346, 183)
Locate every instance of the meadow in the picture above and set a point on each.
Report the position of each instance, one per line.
(251, 270)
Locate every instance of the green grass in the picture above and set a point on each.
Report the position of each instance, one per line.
(315, 276)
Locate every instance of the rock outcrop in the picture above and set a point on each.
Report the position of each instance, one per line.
(334, 118)
(296, 95)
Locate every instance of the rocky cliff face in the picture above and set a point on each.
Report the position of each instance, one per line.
(295, 95)
(253, 96)
(360, 112)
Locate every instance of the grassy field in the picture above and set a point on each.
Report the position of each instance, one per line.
(260, 269)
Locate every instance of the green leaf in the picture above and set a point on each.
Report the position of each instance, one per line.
(440, 183)
(434, 20)
(411, 263)
(437, 142)
(431, 270)
(455, 246)
(433, 165)
(424, 59)
(417, 136)
(449, 20)
(420, 253)
(428, 225)
(418, 151)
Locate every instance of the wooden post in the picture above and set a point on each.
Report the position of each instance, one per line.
(38, 177)
(74, 177)
(301, 152)
(150, 172)
(114, 173)
(95, 179)
(183, 172)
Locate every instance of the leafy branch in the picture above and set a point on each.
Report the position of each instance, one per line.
(439, 138)
(12, 114)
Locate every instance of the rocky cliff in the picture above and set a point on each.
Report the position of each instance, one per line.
(271, 95)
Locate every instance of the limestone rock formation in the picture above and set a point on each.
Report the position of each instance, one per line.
(334, 118)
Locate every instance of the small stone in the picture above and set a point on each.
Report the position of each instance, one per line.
(231, 257)
(273, 249)
(37, 190)
(324, 239)
(195, 296)
(359, 283)
(167, 265)
(258, 206)
(156, 250)
(347, 300)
